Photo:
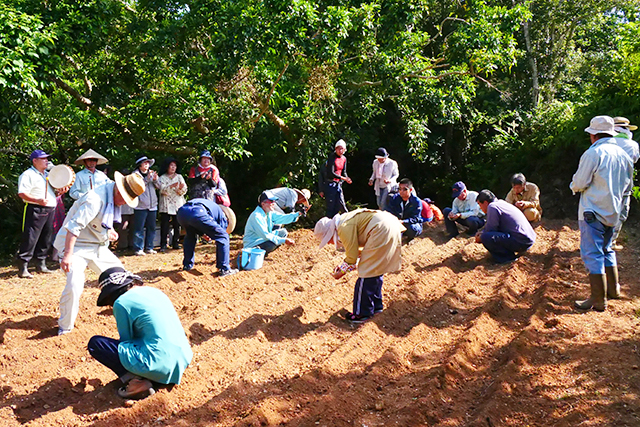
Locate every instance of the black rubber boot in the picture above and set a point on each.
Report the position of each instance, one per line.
(23, 270)
(597, 301)
(613, 286)
(41, 266)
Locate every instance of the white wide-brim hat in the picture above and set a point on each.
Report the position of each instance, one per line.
(326, 229)
(602, 124)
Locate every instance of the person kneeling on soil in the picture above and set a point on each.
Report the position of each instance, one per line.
(507, 231)
(153, 350)
(260, 229)
(379, 235)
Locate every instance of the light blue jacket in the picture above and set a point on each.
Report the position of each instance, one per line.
(604, 174)
(85, 181)
(259, 227)
(153, 344)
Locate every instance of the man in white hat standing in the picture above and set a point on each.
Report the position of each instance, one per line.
(84, 238)
(603, 176)
(89, 177)
(624, 138)
(334, 176)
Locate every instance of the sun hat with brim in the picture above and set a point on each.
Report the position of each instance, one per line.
(324, 230)
(39, 154)
(601, 124)
(90, 154)
(306, 194)
(231, 218)
(624, 123)
(144, 158)
(130, 187)
(113, 280)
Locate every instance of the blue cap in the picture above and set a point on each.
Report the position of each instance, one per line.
(267, 195)
(38, 154)
(206, 153)
(458, 188)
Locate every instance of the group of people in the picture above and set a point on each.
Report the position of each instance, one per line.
(153, 350)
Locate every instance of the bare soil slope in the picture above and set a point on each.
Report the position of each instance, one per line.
(462, 342)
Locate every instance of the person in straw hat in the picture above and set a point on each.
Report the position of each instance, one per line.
(89, 177)
(289, 198)
(604, 174)
(379, 235)
(624, 138)
(203, 216)
(153, 351)
(84, 238)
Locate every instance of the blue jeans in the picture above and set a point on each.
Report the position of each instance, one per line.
(367, 296)
(335, 198)
(382, 198)
(595, 246)
(144, 219)
(503, 246)
(413, 230)
(473, 223)
(105, 351)
(196, 219)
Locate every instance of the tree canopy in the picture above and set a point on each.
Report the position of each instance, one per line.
(458, 89)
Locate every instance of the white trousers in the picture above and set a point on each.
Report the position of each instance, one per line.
(98, 258)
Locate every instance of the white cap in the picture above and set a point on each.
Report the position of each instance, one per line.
(341, 143)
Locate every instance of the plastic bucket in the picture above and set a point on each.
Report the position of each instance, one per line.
(252, 258)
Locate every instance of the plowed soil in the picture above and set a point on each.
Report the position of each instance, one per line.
(462, 342)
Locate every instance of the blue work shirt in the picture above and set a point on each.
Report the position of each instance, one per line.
(410, 212)
(152, 341)
(259, 227)
(504, 217)
(604, 174)
(85, 181)
(214, 210)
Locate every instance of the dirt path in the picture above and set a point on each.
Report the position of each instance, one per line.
(462, 342)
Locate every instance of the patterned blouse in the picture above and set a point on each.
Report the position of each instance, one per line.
(171, 198)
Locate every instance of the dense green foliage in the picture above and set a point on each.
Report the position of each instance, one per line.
(472, 90)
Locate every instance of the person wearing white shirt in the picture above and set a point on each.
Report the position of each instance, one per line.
(40, 202)
(384, 177)
(464, 211)
(604, 174)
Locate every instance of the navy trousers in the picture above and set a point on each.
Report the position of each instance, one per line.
(473, 223)
(335, 198)
(196, 219)
(105, 351)
(503, 246)
(413, 230)
(37, 233)
(367, 296)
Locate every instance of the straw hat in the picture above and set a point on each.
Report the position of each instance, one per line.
(90, 154)
(130, 187)
(306, 194)
(623, 122)
(231, 218)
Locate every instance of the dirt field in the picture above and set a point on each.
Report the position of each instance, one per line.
(462, 342)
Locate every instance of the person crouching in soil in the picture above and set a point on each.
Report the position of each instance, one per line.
(379, 235)
(153, 350)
